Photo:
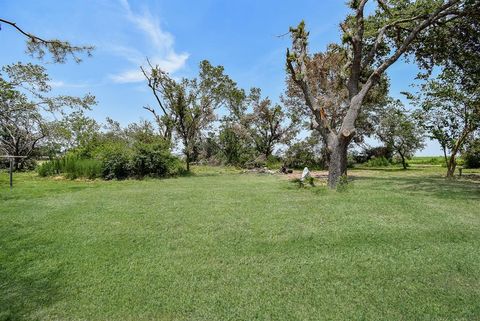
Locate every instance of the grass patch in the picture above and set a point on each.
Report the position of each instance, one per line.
(219, 245)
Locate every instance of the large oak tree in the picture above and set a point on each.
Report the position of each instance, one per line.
(372, 43)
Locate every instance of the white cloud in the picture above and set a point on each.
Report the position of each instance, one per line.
(161, 51)
(62, 84)
(128, 76)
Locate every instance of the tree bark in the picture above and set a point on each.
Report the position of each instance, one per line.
(404, 163)
(452, 164)
(187, 161)
(338, 160)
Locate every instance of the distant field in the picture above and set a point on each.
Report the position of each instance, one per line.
(431, 160)
(428, 160)
(221, 245)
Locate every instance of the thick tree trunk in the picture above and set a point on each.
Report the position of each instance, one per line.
(338, 161)
(451, 166)
(404, 163)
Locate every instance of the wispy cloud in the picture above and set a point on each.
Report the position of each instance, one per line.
(161, 47)
(62, 84)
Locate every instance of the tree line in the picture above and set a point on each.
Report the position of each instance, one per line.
(333, 100)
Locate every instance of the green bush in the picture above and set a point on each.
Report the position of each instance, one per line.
(274, 162)
(351, 161)
(472, 154)
(302, 154)
(72, 167)
(115, 158)
(424, 160)
(154, 160)
(82, 168)
(377, 162)
(49, 168)
(472, 160)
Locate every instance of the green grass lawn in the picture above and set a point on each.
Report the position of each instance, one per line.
(395, 245)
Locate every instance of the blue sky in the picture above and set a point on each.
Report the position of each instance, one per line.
(240, 35)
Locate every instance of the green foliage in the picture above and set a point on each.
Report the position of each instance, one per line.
(308, 181)
(378, 162)
(471, 155)
(188, 105)
(400, 132)
(234, 145)
(116, 160)
(59, 50)
(269, 125)
(343, 184)
(417, 160)
(449, 109)
(274, 162)
(300, 155)
(154, 160)
(350, 161)
(71, 167)
(49, 168)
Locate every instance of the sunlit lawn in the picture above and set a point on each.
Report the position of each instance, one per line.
(222, 245)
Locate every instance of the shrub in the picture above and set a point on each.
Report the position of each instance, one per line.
(49, 168)
(472, 155)
(351, 161)
(274, 162)
(115, 159)
(424, 160)
(377, 162)
(371, 153)
(258, 162)
(302, 154)
(72, 167)
(154, 160)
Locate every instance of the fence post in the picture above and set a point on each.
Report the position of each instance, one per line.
(11, 172)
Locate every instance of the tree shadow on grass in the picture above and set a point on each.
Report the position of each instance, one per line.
(454, 189)
(26, 285)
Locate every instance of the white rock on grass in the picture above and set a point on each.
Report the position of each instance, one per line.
(305, 174)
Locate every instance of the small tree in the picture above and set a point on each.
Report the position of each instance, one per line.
(187, 106)
(400, 132)
(235, 144)
(450, 112)
(269, 125)
(74, 131)
(308, 152)
(25, 105)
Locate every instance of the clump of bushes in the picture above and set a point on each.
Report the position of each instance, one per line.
(117, 160)
(439, 160)
(472, 154)
(155, 160)
(370, 153)
(71, 167)
(304, 154)
(378, 162)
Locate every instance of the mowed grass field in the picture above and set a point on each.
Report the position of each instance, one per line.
(394, 245)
